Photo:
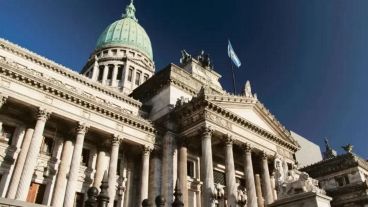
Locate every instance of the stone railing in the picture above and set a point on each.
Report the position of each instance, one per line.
(15, 203)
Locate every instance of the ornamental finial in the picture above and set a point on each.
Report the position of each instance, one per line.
(130, 11)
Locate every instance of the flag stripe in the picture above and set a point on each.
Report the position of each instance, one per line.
(232, 55)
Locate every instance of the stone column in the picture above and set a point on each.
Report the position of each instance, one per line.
(20, 164)
(114, 76)
(114, 156)
(61, 178)
(249, 177)
(32, 156)
(259, 191)
(273, 186)
(2, 102)
(81, 131)
(102, 164)
(95, 70)
(182, 170)
(104, 75)
(268, 194)
(155, 175)
(145, 173)
(231, 188)
(167, 182)
(11, 157)
(209, 191)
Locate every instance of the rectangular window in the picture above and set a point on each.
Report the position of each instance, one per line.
(118, 168)
(109, 74)
(105, 52)
(219, 177)
(47, 145)
(7, 133)
(190, 169)
(114, 52)
(120, 72)
(85, 157)
(130, 74)
(145, 78)
(100, 74)
(138, 78)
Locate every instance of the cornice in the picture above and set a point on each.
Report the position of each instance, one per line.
(170, 75)
(335, 164)
(56, 88)
(68, 73)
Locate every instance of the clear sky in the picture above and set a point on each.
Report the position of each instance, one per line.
(306, 59)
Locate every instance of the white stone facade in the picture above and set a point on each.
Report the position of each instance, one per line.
(82, 127)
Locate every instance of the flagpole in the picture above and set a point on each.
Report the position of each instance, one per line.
(232, 70)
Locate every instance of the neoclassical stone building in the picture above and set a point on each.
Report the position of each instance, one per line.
(61, 130)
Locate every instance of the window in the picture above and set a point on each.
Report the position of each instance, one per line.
(145, 78)
(114, 52)
(85, 157)
(109, 74)
(130, 74)
(339, 181)
(190, 169)
(120, 72)
(118, 168)
(100, 74)
(47, 145)
(138, 78)
(7, 133)
(105, 52)
(219, 177)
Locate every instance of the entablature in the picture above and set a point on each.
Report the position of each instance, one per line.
(62, 70)
(53, 88)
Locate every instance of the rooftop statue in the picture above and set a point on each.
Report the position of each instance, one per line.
(185, 57)
(291, 182)
(204, 60)
(248, 90)
(348, 148)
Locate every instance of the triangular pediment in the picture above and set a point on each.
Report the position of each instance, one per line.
(254, 112)
(249, 113)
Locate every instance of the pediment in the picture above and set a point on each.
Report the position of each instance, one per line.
(258, 115)
(253, 116)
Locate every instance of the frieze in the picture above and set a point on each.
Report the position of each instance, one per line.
(24, 77)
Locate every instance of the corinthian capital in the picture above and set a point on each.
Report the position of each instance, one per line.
(81, 128)
(229, 140)
(2, 100)
(116, 139)
(146, 150)
(247, 148)
(43, 114)
(206, 131)
(264, 155)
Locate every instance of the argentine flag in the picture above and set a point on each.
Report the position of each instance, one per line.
(232, 55)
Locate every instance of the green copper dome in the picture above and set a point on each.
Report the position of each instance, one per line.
(126, 32)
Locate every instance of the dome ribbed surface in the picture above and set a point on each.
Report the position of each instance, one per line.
(126, 32)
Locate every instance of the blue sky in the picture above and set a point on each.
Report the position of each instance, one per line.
(307, 60)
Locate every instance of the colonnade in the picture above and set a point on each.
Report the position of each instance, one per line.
(254, 195)
(66, 181)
